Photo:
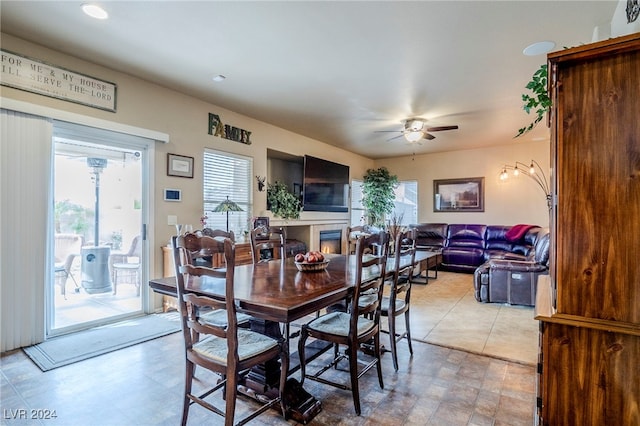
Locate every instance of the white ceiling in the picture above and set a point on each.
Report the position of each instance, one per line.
(334, 71)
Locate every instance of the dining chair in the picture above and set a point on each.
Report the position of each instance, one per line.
(398, 301)
(66, 248)
(125, 267)
(209, 260)
(353, 234)
(266, 242)
(226, 350)
(360, 326)
(209, 232)
(197, 255)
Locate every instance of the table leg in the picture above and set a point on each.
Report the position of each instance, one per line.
(264, 379)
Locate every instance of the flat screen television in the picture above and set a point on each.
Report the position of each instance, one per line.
(326, 186)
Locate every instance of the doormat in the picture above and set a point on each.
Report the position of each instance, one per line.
(71, 348)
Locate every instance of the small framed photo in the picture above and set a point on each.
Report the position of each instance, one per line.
(261, 222)
(179, 165)
(458, 195)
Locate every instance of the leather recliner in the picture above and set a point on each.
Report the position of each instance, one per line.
(513, 281)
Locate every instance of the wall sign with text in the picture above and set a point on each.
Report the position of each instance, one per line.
(32, 75)
(232, 133)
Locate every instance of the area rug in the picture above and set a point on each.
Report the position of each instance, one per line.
(71, 348)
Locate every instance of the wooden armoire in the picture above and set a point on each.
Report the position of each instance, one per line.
(589, 307)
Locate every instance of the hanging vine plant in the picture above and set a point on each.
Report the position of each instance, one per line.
(539, 102)
(378, 195)
(282, 202)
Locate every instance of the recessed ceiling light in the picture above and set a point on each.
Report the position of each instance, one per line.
(219, 77)
(539, 48)
(94, 11)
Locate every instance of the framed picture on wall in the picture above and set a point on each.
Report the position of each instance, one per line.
(179, 165)
(458, 195)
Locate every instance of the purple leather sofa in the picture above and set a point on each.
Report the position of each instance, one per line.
(467, 246)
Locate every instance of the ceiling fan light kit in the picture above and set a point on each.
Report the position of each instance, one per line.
(413, 135)
(415, 129)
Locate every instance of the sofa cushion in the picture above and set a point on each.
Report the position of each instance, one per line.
(430, 235)
(463, 256)
(469, 236)
(541, 254)
(495, 238)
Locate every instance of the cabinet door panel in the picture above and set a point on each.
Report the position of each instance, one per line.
(598, 186)
(592, 378)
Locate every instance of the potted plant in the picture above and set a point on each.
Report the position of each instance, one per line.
(539, 101)
(378, 195)
(282, 202)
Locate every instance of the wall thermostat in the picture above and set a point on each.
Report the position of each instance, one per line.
(172, 195)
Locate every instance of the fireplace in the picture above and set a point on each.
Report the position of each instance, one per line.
(331, 241)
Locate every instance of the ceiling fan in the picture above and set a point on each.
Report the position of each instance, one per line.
(416, 129)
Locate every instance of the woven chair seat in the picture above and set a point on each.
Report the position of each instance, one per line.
(250, 343)
(384, 306)
(337, 323)
(218, 318)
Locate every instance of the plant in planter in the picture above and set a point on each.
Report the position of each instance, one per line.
(282, 202)
(378, 195)
(539, 102)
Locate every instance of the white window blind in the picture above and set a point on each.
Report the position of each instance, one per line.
(405, 203)
(358, 216)
(227, 175)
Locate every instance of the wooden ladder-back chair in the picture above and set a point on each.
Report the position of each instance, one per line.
(273, 239)
(398, 301)
(209, 232)
(360, 326)
(227, 350)
(197, 255)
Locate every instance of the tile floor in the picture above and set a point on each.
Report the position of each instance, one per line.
(438, 385)
(445, 312)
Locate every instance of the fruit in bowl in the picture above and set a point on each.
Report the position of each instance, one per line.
(310, 261)
(309, 257)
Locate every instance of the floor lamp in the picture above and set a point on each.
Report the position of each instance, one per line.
(228, 206)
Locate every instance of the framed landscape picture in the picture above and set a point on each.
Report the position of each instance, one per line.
(458, 195)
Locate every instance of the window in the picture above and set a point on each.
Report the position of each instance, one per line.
(358, 216)
(227, 175)
(406, 202)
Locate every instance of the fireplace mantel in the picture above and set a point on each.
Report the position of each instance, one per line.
(309, 230)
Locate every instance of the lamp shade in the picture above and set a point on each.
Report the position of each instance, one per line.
(227, 206)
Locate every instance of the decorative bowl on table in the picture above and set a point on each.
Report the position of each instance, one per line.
(312, 266)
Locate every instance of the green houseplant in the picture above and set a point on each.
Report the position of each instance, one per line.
(378, 195)
(282, 202)
(539, 101)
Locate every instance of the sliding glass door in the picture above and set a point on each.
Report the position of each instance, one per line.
(98, 228)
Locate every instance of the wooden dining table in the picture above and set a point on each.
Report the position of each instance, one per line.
(276, 292)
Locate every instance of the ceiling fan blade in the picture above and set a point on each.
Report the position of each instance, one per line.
(441, 128)
(395, 137)
(386, 131)
(428, 136)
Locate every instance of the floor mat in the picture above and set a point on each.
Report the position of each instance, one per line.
(65, 350)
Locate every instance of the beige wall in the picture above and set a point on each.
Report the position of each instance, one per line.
(506, 202)
(184, 118)
(146, 105)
